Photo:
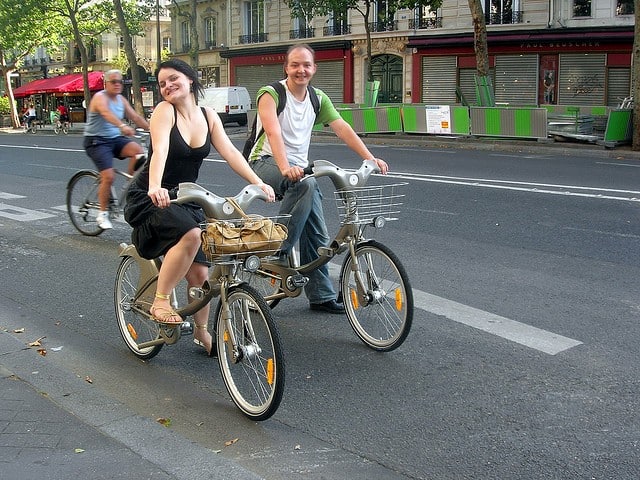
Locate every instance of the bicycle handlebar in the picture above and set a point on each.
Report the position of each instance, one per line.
(341, 178)
(215, 206)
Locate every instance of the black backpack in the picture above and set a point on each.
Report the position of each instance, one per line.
(282, 101)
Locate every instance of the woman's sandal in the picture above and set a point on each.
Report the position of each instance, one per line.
(163, 315)
(213, 352)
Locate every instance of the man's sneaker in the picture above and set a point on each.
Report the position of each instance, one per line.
(103, 221)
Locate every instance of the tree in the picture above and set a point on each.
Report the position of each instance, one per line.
(308, 8)
(18, 38)
(635, 76)
(130, 23)
(483, 80)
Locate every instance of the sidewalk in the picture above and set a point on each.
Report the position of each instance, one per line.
(54, 425)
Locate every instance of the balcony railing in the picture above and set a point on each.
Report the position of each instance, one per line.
(209, 44)
(336, 30)
(424, 23)
(254, 38)
(503, 18)
(387, 26)
(302, 33)
(186, 47)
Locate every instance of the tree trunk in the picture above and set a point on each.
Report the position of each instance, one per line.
(194, 48)
(15, 118)
(635, 76)
(131, 58)
(480, 38)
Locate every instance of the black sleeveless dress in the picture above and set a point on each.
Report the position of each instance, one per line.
(156, 230)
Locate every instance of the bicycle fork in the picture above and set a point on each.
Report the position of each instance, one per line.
(366, 290)
(237, 351)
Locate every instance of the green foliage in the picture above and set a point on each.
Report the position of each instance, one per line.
(5, 106)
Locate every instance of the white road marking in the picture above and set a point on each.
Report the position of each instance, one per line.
(21, 214)
(10, 196)
(532, 337)
(512, 330)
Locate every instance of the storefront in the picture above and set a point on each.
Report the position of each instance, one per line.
(334, 75)
(530, 68)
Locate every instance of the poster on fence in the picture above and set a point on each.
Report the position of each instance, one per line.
(438, 119)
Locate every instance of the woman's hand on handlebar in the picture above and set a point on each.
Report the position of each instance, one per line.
(159, 196)
(382, 165)
(271, 196)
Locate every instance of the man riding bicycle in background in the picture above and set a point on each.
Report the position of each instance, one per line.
(280, 155)
(106, 136)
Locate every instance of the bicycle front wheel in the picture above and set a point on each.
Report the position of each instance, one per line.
(56, 128)
(249, 353)
(377, 296)
(83, 205)
(135, 327)
(265, 282)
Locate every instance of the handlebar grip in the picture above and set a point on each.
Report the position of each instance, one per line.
(308, 170)
(173, 193)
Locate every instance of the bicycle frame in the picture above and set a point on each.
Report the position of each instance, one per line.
(222, 274)
(348, 236)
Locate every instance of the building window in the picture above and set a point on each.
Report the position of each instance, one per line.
(337, 24)
(581, 8)
(185, 34)
(254, 22)
(210, 32)
(625, 7)
(384, 18)
(424, 17)
(499, 12)
(166, 43)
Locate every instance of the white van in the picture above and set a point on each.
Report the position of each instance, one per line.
(231, 103)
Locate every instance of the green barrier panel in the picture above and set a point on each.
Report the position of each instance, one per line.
(414, 119)
(509, 122)
(619, 127)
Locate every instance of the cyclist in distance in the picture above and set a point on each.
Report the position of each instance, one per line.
(280, 155)
(181, 137)
(106, 135)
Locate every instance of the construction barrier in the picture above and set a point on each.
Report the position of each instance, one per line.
(436, 119)
(385, 119)
(619, 129)
(509, 122)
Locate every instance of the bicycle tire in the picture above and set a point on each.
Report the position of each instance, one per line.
(255, 376)
(65, 129)
(56, 128)
(83, 205)
(383, 315)
(135, 327)
(266, 283)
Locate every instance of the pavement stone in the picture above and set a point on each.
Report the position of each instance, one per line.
(54, 425)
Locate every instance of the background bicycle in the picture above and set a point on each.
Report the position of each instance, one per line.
(82, 194)
(245, 335)
(374, 285)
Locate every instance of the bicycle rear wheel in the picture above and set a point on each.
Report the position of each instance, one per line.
(56, 128)
(82, 202)
(382, 314)
(135, 327)
(254, 372)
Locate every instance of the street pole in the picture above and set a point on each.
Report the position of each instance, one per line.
(158, 40)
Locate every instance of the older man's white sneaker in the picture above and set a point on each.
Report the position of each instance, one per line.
(103, 221)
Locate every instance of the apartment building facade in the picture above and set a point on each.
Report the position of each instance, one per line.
(541, 51)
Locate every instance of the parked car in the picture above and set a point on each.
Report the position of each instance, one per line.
(231, 103)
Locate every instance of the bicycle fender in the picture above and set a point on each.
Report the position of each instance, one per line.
(148, 268)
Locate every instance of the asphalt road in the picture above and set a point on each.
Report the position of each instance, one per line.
(521, 362)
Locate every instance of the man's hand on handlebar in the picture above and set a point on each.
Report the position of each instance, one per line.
(293, 173)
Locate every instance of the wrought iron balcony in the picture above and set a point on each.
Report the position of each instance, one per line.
(302, 33)
(209, 44)
(336, 30)
(504, 18)
(386, 26)
(424, 23)
(253, 38)
(186, 47)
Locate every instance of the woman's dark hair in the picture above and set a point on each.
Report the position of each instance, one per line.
(183, 67)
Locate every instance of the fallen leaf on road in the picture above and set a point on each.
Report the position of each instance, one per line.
(78, 450)
(230, 442)
(88, 379)
(36, 343)
(164, 421)
(42, 351)
(19, 330)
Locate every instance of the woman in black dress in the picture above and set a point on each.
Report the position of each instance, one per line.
(181, 137)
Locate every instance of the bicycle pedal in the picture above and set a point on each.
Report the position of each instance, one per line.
(325, 252)
(297, 281)
(186, 328)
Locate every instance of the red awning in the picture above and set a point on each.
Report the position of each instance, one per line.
(70, 83)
